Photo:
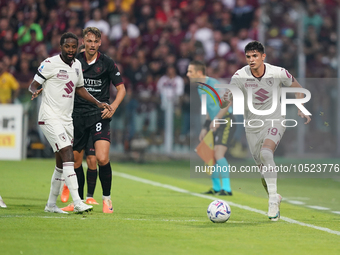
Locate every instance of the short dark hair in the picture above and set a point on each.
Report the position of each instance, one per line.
(81, 47)
(92, 30)
(199, 66)
(254, 45)
(66, 36)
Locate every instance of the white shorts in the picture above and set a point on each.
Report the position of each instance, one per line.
(255, 140)
(58, 134)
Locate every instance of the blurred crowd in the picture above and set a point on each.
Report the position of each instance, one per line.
(153, 41)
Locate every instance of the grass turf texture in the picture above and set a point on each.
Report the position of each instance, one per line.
(155, 220)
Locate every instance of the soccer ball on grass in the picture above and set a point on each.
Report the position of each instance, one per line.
(218, 211)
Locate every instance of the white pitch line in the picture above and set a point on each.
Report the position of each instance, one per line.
(321, 208)
(32, 216)
(174, 188)
(294, 202)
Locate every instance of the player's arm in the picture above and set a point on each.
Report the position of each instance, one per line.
(81, 91)
(121, 92)
(296, 84)
(219, 115)
(117, 81)
(205, 128)
(33, 88)
(44, 72)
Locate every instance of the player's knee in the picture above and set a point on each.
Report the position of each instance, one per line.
(102, 160)
(266, 156)
(91, 162)
(66, 154)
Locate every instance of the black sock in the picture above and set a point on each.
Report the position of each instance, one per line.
(105, 177)
(81, 181)
(91, 178)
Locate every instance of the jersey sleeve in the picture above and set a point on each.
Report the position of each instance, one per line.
(236, 80)
(80, 78)
(286, 78)
(115, 75)
(45, 71)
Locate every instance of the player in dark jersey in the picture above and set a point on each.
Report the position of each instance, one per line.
(92, 173)
(99, 72)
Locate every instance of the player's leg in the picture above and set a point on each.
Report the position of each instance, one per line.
(91, 173)
(56, 136)
(67, 157)
(271, 140)
(101, 138)
(60, 135)
(268, 169)
(78, 169)
(81, 137)
(56, 182)
(264, 184)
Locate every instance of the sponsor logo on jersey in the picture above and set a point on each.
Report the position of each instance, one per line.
(47, 61)
(250, 80)
(118, 73)
(62, 137)
(92, 82)
(62, 75)
(251, 85)
(261, 95)
(41, 68)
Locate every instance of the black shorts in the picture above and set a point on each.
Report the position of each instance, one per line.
(224, 133)
(89, 149)
(90, 126)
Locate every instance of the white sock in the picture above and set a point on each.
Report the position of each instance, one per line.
(55, 186)
(107, 197)
(71, 181)
(269, 173)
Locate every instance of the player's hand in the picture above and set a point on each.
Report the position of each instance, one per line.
(36, 93)
(104, 106)
(106, 114)
(227, 96)
(302, 115)
(202, 134)
(213, 126)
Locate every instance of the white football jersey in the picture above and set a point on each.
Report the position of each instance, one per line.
(262, 92)
(59, 81)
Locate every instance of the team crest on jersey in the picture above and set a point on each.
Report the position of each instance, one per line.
(98, 69)
(77, 71)
(62, 75)
(270, 81)
(62, 137)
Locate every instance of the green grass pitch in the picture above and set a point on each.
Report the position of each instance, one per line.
(153, 219)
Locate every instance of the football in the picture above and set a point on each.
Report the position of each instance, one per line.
(218, 211)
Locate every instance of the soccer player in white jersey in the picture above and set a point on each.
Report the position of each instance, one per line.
(61, 77)
(264, 136)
